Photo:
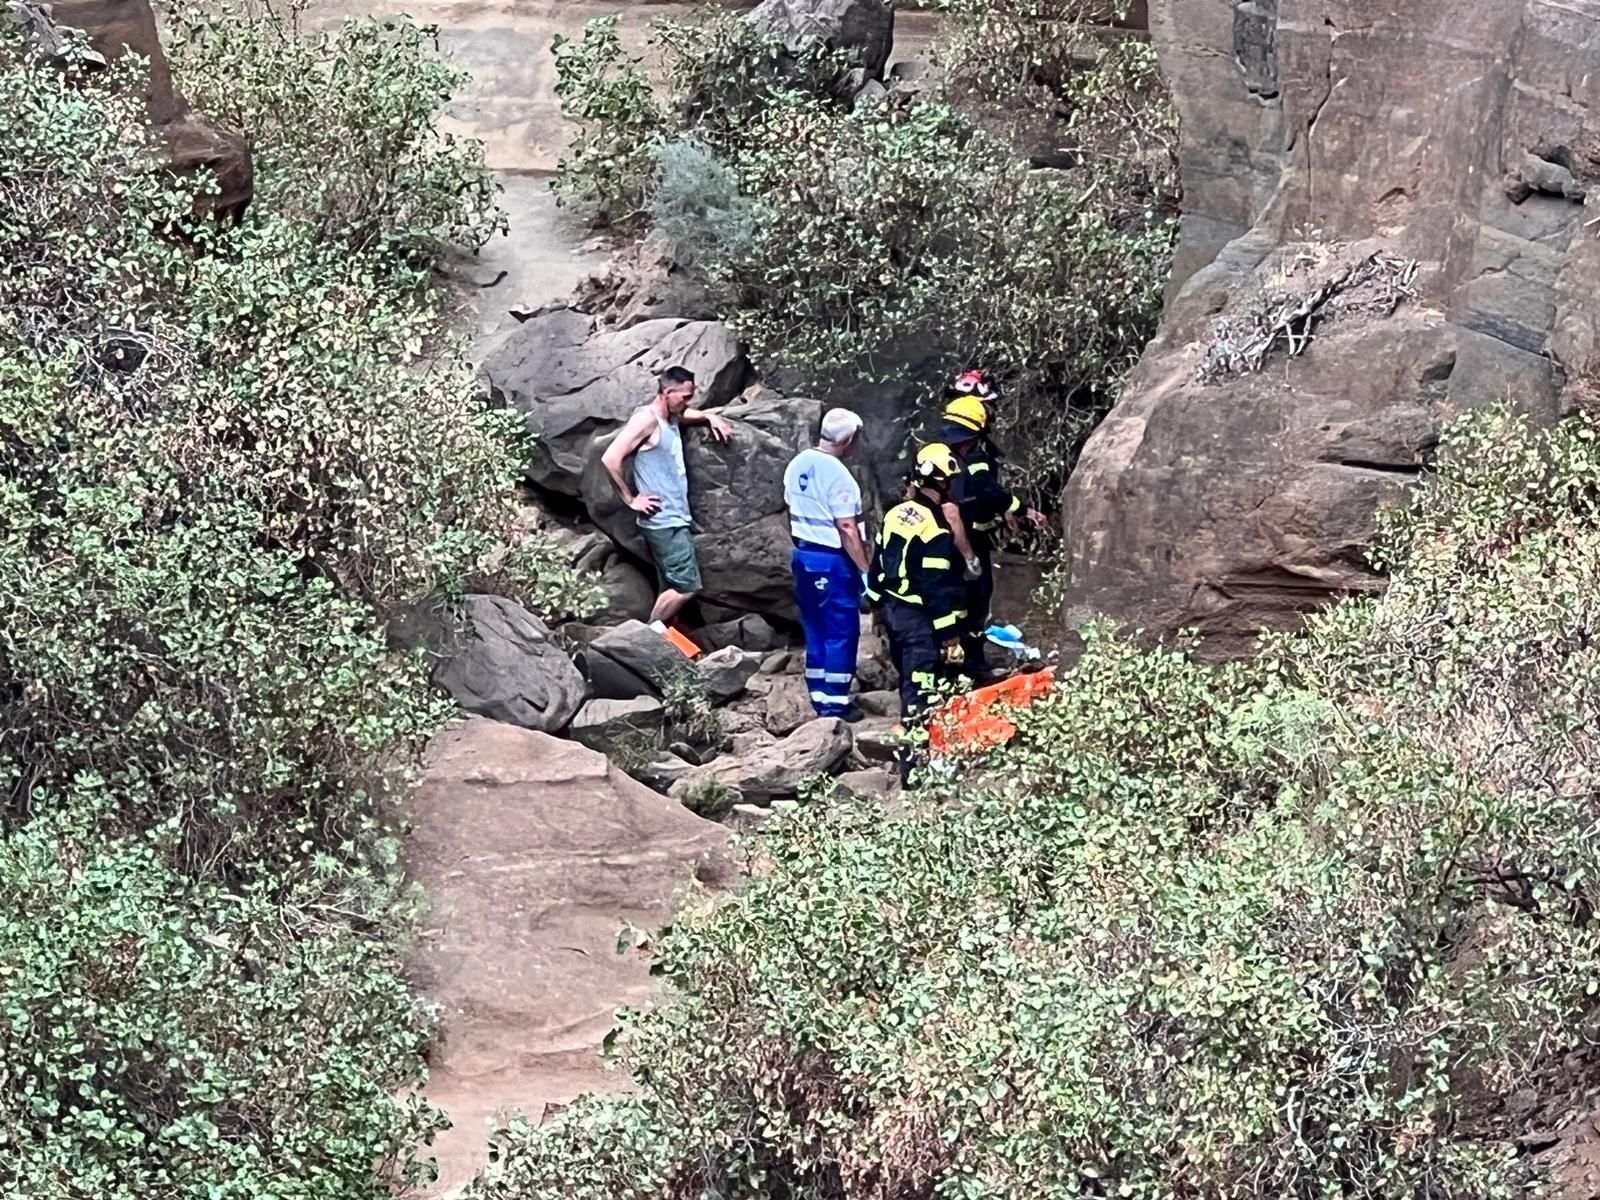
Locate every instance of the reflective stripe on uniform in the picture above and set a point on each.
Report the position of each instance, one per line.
(836, 676)
(946, 621)
(941, 564)
(815, 673)
(977, 468)
(829, 698)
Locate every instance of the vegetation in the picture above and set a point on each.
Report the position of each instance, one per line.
(1298, 927)
(852, 239)
(227, 454)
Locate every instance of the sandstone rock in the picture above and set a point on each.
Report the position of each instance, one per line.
(498, 660)
(1238, 505)
(880, 703)
(775, 663)
(742, 745)
(643, 282)
(642, 650)
(572, 382)
(741, 527)
(777, 770)
(534, 852)
(751, 632)
(663, 771)
(863, 29)
(789, 705)
(725, 672)
(192, 144)
(604, 724)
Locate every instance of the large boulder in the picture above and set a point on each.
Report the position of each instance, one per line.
(861, 29)
(773, 770)
(534, 852)
(191, 143)
(643, 281)
(573, 382)
(498, 660)
(607, 725)
(643, 651)
(1405, 184)
(741, 527)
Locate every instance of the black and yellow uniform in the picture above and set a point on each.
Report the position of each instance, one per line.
(985, 504)
(916, 576)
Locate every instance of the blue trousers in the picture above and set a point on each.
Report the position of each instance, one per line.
(827, 589)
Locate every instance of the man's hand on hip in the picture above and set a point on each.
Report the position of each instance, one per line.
(645, 504)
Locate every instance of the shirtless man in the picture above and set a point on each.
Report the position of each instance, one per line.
(660, 489)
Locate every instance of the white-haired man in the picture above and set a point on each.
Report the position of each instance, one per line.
(830, 560)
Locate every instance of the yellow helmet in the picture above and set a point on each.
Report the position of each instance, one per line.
(969, 412)
(936, 462)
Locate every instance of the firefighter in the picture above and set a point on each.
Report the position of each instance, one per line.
(916, 577)
(983, 500)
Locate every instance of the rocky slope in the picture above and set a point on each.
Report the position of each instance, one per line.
(1457, 137)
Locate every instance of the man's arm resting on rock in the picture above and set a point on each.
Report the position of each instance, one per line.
(628, 439)
(850, 539)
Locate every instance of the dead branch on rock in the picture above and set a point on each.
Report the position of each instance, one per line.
(1372, 284)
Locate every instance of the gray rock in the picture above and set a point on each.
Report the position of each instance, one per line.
(861, 29)
(776, 770)
(629, 593)
(775, 663)
(498, 660)
(872, 784)
(663, 771)
(607, 678)
(751, 632)
(725, 672)
(880, 703)
(878, 739)
(572, 383)
(741, 527)
(642, 650)
(789, 705)
(605, 724)
(742, 745)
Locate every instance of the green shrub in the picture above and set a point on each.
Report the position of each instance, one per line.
(342, 124)
(1287, 928)
(857, 238)
(226, 456)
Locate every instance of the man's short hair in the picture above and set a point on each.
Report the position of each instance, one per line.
(674, 377)
(840, 425)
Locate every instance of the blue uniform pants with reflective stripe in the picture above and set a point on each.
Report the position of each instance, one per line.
(827, 588)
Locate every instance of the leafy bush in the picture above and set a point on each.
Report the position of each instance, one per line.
(878, 231)
(342, 124)
(1290, 928)
(226, 456)
(610, 99)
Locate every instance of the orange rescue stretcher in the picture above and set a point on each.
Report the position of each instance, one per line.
(978, 720)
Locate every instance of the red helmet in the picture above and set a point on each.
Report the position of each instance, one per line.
(977, 383)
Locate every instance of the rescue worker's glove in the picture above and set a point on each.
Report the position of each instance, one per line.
(974, 568)
(951, 653)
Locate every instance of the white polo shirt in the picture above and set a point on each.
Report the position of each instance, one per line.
(819, 490)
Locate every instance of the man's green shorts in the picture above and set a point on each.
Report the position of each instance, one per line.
(673, 552)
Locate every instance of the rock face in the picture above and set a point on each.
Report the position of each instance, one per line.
(862, 29)
(533, 853)
(118, 27)
(604, 725)
(498, 660)
(769, 771)
(1460, 135)
(572, 382)
(741, 527)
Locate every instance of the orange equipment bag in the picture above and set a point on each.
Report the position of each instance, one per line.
(978, 720)
(687, 648)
